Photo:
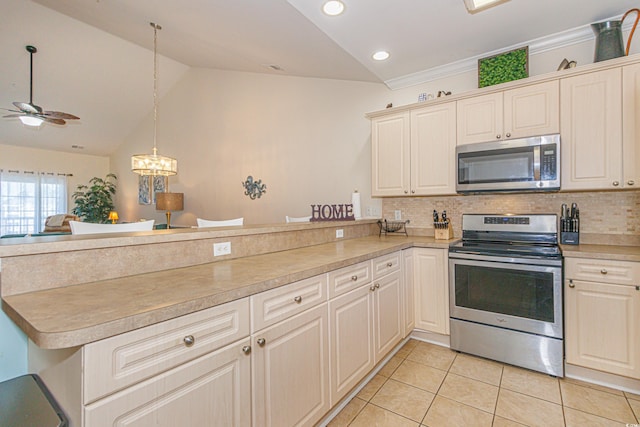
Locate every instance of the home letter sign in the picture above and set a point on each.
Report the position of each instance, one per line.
(332, 213)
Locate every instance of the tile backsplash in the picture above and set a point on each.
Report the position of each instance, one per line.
(601, 213)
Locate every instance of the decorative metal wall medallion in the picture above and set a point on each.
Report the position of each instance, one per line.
(254, 189)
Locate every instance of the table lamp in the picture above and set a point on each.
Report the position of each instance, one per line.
(113, 216)
(169, 202)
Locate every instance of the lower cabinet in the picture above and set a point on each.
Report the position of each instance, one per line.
(213, 390)
(408, 296)
(431, 289)
(602, 315)
(290, 371)
(387, 311)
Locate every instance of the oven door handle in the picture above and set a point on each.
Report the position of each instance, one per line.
(536, 163)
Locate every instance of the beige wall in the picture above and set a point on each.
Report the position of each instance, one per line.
(83, 167)
(306, 138)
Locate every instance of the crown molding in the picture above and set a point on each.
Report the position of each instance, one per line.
(536, 46)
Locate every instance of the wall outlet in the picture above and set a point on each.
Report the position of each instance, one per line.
(223, 248)
(339, 233)
(373, 212)
(397, 214)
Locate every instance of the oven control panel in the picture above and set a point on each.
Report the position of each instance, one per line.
(520, 220)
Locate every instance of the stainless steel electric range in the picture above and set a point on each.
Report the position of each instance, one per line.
(505, 280)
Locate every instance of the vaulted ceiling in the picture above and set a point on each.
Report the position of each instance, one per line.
(94, 56)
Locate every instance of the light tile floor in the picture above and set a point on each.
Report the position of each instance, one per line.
(429, 385)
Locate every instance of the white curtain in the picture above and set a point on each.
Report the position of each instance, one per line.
(28, 198)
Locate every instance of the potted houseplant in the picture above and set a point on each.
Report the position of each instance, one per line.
(95, 201)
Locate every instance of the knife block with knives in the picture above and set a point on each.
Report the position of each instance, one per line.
(442, 226)
(570, 225)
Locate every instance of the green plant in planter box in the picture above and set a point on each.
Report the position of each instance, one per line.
(95, 201)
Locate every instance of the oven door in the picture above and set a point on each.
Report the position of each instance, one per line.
(513, 293)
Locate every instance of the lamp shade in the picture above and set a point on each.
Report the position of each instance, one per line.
(113, 216)
(169, 201)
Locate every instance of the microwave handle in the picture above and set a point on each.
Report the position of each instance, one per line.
(536, 163)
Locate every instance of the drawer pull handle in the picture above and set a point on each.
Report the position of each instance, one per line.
(377, 285)
(372, 288)
(389, 264)
(246, 349)
(261, 342)
(354, 278)
(298, 299)
(630, 182)
(571, 284)
(603, 271)
(189, 340)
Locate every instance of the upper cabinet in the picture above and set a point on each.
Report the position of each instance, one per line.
(516, 113)
(412, 152)
(631, 125)
(591, 130)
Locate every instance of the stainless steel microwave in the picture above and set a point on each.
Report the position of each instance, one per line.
(527, 164)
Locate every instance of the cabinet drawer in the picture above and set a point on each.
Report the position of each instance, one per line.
(213, 390)
(386, 264)
(609, 271)
(117, 362)
(270, 307)
(347, 278)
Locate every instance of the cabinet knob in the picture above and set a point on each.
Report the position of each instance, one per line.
(603, 271)
(615, 183)
(298, 299)
(406, 192)
(508, 135)
(631, 182)
(389, 264)
(189, 340)
(261, 342)
(354, 277)
(246, 349)
(571, 284)
(498, 136)
(372, 288)
(413, 191)
(377, 285)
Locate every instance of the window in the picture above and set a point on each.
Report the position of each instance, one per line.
(28, 198)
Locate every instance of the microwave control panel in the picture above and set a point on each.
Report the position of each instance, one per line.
(548, 162)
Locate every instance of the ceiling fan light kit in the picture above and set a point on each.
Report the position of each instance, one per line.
(475, 6)
(31, 114)
(154, 164)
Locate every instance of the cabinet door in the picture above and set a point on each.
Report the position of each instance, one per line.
(290, 371)
(631, 125)
(602, 327)
(390, 155)
(408, 293)
(431, 290)
(433, 150)
(351, 345)
(480, 119)
(532, 110)
(591, 129)
(213, 390)
(387, 311)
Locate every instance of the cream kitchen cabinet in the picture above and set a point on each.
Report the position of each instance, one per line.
(530, 110)
(365, 325)
(631, 126)
(413, 152)
(408, 297)
(602, 315)
(431, 289)
(591, 129)
(290, 371)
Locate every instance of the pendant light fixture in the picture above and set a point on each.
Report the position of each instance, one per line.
(154, 164)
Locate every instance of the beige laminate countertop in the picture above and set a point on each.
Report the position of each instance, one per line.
(75, 315)
(602, 252)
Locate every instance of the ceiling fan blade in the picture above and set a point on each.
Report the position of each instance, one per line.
(28, 108)
(13, 115)
(60, 115)
(53, 120)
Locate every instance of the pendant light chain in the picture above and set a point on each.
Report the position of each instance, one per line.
(156, 27)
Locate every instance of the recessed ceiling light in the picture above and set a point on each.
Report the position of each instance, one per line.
(333, 7)
(474, 6)
(380, 55)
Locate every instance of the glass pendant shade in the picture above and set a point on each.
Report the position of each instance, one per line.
(31, 121)
(153, 164)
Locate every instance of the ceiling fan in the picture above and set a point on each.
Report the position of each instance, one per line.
(33, 115)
